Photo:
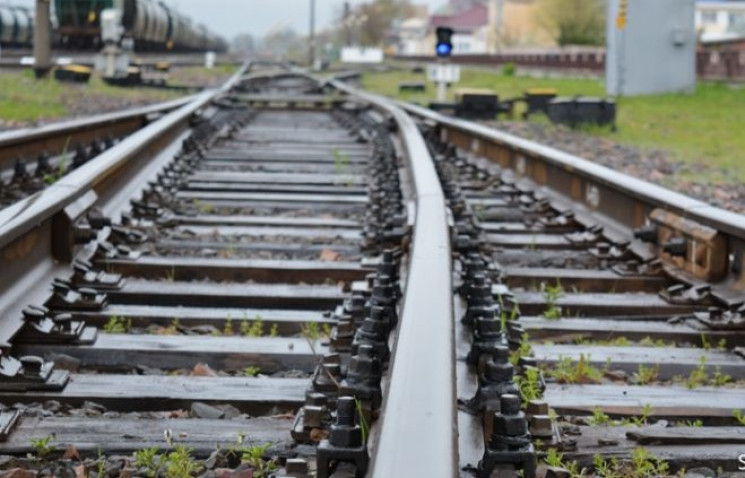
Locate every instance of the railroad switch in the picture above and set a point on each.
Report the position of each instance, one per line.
(86, 276)
(344, 444)
(67, 297)
(509, 443)
(30, 373)
(41, 326)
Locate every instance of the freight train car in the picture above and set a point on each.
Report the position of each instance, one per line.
(16, 27)
(153, 26)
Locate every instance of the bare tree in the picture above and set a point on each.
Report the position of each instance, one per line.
(573, 22)
(378, 17)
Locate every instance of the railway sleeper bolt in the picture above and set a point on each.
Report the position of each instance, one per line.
(344, 443)
(295, 468)
(30, 373)
(676, 247)
(67, 297)
(487, 335)
(80, 157)
(127, 235)
(106, 251)
(85, 276)
(313, 415)
(343, 335)
(717, 318)
(509, 443)
(363, 378)
(40, 326)
(42, 165)
(495, 379)
(651, 267)
(683, 294)
(97, 219)
(648, 233)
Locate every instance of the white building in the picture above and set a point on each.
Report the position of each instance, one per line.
(719, 20)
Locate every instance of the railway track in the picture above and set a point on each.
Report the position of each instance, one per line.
(292, 277)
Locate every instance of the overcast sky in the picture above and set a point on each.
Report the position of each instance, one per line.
(232, 17)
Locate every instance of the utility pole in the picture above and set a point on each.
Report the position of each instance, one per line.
(312, 42)
(42, 39)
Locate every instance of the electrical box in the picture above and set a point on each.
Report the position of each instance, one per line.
(651, 47)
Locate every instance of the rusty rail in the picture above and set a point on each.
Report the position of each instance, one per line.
(418, 434)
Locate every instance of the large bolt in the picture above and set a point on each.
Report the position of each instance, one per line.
(344, 432)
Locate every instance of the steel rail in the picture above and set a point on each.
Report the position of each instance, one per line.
(418, 432)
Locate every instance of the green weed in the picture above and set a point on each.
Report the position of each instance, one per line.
(43, 446)
(117, 325)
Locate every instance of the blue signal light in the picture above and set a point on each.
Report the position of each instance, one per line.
(443, 49)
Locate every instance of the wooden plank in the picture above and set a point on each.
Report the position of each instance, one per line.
(613, 441)
(237, 270)
(687, 435)
(304, 199)
(670, 402)
(278, 178)
(340, 188)
(301, 249)
(600, 304)
(274, 221)
(581, 280)
(288, 322)
(279, 166)
(162, 393)
(310, 234)
(270, 296)
(531, 241)
(573, 330)
(126, 351)
(127, 435)
(671, 361)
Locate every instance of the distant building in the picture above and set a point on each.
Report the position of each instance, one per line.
(469, 29)
(719, 20)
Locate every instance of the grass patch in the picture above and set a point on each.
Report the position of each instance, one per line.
(25, 99)
(703, 127)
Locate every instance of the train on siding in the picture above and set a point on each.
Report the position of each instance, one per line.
(16, 27)
(151, 24)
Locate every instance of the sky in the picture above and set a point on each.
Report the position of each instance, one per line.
(232, 17)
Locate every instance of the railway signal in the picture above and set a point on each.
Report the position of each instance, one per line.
(444, 42)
